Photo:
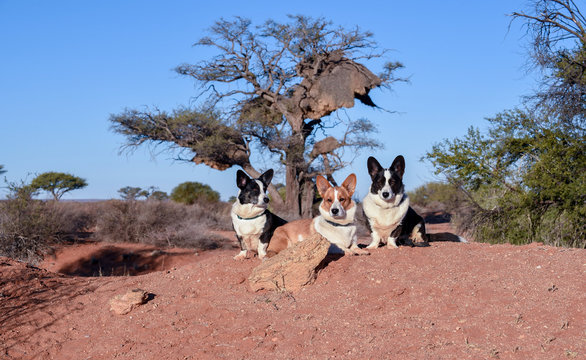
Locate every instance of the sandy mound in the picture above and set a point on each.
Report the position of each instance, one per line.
(447, 301)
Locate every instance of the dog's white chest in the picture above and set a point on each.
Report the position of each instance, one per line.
(247, 220)
(384, 218)
(342, 236)
(249, 227)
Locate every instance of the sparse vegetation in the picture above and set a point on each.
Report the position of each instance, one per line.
(162, 223)
(27, 226)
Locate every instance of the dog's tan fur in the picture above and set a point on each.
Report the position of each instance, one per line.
(342, 235)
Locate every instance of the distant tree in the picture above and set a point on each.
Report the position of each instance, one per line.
(269, 88)
(130, 193)
(190, 192)
(2, 171)
(158, 195)
(58, 183)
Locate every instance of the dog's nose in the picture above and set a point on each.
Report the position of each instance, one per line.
(385, 194)
(335, 211)
(266, 200)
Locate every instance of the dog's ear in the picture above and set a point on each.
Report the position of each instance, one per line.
(322, 185)
(350, 184)
(241, 179)
(266, 177)
(398, 165)
(373, 167)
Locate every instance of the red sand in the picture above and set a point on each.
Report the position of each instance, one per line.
(447, 301)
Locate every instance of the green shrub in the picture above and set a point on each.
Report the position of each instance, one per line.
(191, 192)
(436, 196)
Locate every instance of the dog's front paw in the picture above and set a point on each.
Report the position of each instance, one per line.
(372, 246)
(392, 243)
(241, 255)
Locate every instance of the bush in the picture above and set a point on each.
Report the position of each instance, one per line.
(521, 179)
(436, 196)
(76, 219)
(161, 223)
(28, 227)
(191, 192)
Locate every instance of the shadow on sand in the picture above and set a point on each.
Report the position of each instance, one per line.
(120, 261)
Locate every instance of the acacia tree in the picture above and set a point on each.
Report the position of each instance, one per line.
(132, 193)
(268, 88)
(57, 183)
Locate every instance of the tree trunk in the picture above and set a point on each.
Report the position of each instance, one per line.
(293, 191)
(307, 195)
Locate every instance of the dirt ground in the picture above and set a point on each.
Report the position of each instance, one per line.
(447, 301)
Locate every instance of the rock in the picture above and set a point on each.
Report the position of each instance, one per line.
(292, 268)
(124, 303)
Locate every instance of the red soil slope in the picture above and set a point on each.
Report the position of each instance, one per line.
(447, 301)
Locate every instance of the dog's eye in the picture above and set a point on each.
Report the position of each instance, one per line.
(329, 200)
(342, 199)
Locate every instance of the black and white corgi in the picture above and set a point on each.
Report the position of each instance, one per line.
(387, 209)
(253, 223)
(335, 221)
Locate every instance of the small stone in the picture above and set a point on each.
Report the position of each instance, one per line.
(124, 303)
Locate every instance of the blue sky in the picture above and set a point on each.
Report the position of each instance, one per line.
(67, 65)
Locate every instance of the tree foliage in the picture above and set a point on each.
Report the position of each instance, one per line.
(158, 195)
(525, 178)
(436, 196)
(131, 193)
(522, 175)
(191, 192)
(269, 88)
(57, 183)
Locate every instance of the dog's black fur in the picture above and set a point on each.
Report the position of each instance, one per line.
(404, 230)
(250, 193)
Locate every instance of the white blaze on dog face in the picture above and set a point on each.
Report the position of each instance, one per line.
(253, 191)
(386, 192)
(386, 183)
(336, 200)
(263, 199)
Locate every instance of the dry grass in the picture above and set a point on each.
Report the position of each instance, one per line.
(30, 228)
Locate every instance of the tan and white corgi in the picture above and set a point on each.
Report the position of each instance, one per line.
(335, 221)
